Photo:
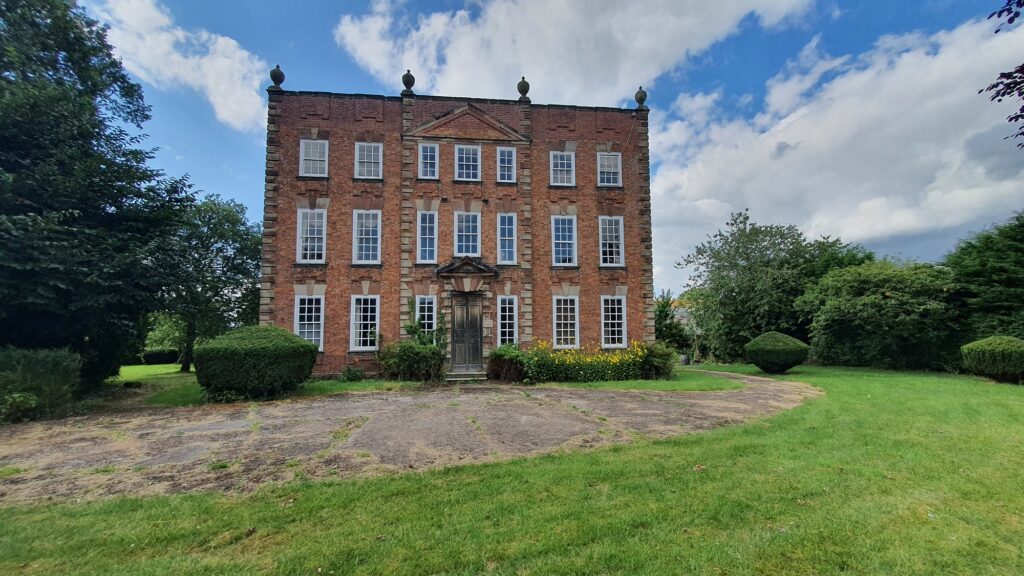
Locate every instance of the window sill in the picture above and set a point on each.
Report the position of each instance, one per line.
(466, 181)
(562, 186)
(612, 267)
(311, 264)
(358, 179)
(609, 187)
(565, 267)
(507, 264)
(425, 264)
(362, 350)
(366, 265)
(309, 178)
(425, 179)
(467, 255)
(499, 183)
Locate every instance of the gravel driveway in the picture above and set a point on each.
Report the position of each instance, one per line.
(240, 446)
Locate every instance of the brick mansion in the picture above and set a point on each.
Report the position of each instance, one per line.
(517, 222)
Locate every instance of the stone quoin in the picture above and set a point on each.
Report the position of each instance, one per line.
(519, 222)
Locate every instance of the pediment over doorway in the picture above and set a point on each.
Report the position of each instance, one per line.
(465, 266)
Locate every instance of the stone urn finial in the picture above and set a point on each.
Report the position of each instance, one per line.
(277, 76)
(524, 87)
(641, 97)
(408, 80)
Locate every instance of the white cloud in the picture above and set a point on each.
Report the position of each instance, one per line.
(892, 143)
(164, 55)
(594, 52)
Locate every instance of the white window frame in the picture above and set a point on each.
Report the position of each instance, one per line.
(625, 335)
(618, 156)
(302, 158)
(515, 235)
(355, 239)
(551, 168)
(479, 163)
(497, 164)
(622, 241)
(554, 322)
(515, 319)
(295, 318)
(300, 235)
(433, 304)
(575, 241)
(352, 324)
(419, 236)
(380, 165)
(437, 161)
(455, 234)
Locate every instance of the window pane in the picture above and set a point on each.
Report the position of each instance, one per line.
(565, 323)
(364, 322)
(563, 230)
(611, 241)
(506, 165)
(367, 240)
(425, 312)
(368, 160)
(467, 163)
(309, 319)
(613, 326)
(428, 236)
(428, 161)
(467, 234)
(506, 238)
(311, 235)
(314, 158)
(506, 320)
(609, 169)
(561, 168)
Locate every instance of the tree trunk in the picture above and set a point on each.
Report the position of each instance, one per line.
(190, 343)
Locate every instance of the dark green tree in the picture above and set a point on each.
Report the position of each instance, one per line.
(884, 314)
(213, 279)
(1009, 84)
(667, 328)
(989, 269)
(748, 277)
(84, 221)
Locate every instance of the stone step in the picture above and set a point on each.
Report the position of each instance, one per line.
(465, 377)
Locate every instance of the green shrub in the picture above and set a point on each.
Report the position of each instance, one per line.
(1000, 358)
(160, 356)
(506, 363)
(659, 363)
(775, 352)
(37, 383)
(352, 374)
(542, 364)
(253, 362)
(412, 360)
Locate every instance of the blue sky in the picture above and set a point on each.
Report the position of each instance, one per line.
(856, 119)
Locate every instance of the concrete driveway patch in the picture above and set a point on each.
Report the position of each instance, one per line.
(240, 446)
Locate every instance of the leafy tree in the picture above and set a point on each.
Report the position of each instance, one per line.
(884, 314)
(667, 328)
(748, 277)
(1009, 84)
(84, 221)
(213, 280)
(989, 268)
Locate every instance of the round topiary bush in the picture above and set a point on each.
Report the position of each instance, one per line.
(1000, 358)
(775, 352)
(253, 362)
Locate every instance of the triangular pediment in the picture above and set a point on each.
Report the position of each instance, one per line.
(466, 266)
(470, 123)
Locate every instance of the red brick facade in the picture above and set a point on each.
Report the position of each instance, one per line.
(400, 124)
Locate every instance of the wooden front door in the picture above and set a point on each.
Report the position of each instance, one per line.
(467, 333)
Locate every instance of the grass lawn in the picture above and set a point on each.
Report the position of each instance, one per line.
(683, 380)
(887, 473)
(166, 385)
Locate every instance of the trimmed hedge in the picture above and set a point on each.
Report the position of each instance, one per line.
(1000, 358)
(253, 362)
(506, 364)
(412, 360)
(775, 352)
(543, 364)
(160, 356)
(37, 383)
